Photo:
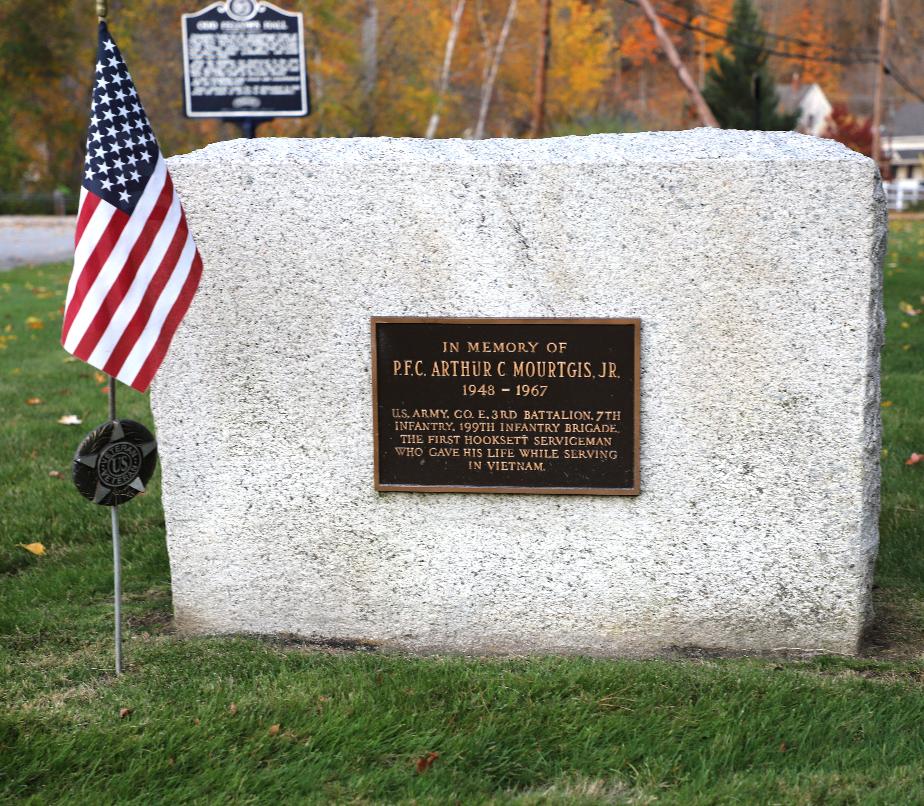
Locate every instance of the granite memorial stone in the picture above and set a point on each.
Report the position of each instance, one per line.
(752, 262)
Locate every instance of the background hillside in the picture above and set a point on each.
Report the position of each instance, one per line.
(375, 67)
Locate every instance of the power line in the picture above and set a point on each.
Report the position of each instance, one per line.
(903, 82)
(899, 31)
(699, 11)
(890, 69)
(771, 51)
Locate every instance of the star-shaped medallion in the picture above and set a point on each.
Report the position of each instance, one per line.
(114, 462)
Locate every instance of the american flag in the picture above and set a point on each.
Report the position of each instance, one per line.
(136, 267)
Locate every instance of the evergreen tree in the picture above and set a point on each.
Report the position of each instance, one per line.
(740, 89)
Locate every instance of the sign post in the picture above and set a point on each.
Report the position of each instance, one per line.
(244, 62)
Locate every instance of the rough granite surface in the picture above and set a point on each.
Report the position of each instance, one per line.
(754, 262)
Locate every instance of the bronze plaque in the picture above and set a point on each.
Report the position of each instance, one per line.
(506, 405)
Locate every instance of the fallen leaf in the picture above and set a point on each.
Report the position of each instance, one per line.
(906, 347)
(274, 730)
(782, 747)
(34, 322)
(8, 329)
(124, 712)
(34, 401)
(886, 404)
(34, 548)
(915, 458)
(70, 419)
(907, 308)
(197, 722)
(100, 378)
(905, 325)
(56, 474)
(425, 762)
(233, 709)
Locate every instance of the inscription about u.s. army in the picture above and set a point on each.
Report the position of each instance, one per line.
(506, 405)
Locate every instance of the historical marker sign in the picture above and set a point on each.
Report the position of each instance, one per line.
(506, 405)
(244, 59)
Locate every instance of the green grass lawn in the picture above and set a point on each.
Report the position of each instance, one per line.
(254, 721)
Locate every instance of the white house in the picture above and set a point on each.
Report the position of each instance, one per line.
(904, 142)
(811, 103)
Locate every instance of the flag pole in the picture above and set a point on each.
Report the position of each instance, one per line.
(117, 459)
(116, 551)
(102, 10)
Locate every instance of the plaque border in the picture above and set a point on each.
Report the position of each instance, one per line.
(381, 487)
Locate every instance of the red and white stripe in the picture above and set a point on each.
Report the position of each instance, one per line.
(134, 277)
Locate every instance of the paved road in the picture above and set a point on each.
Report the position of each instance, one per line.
(35, 239)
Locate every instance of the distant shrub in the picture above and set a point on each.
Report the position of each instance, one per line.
(614, 124)
(853, 131)
(38, 203)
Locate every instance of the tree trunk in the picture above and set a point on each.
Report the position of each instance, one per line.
(443, 83)
(702, 108)
(542, 70)
(369, 33)
(487, 88)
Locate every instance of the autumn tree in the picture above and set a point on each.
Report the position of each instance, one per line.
(409, 67)
(46, 52)
(853, 131)
(809, 35)
(740, 88)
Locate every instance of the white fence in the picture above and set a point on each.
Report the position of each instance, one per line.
(903, 192)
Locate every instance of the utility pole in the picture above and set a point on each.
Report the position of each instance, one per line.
(880, 79)
(702, 108)
(542, 70)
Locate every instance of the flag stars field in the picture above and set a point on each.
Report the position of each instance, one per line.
(123, 135)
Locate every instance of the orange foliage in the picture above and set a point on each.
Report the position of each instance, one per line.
(808, 25)
(638, 44)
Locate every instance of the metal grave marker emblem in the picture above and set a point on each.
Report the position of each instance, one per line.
(115, 462)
